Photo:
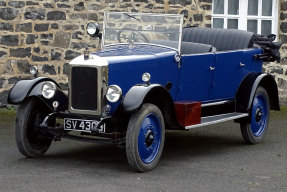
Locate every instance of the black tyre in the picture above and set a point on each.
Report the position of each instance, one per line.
(145, 138)
(255, 132)
(29, 140)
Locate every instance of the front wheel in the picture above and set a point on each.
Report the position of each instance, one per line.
(145, 138)
(29, 139)
(255, 132)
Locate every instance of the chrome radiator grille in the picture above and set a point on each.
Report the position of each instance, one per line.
(84, 88)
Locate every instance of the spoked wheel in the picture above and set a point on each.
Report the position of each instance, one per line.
(255, 132)
(145, 138)
(29, 139)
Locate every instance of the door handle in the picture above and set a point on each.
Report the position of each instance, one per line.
(242, 64)
(211, 68)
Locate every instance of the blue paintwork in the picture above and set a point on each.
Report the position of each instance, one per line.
(258, 126)
(194, 81)
(126, 67)
(195, 77)
(199, 83)
(150, 125)
(228, 73)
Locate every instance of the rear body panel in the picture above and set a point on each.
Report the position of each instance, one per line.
(213, 77)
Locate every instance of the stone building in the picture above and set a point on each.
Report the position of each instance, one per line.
(49, 33)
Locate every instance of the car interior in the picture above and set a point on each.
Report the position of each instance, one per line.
(203, 40)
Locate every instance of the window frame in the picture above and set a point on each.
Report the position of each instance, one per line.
(243, 16)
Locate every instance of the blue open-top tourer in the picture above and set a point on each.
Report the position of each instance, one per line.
(150, 76)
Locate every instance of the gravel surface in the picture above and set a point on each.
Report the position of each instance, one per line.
(213, 158)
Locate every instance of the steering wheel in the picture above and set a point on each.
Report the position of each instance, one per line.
(131, 36)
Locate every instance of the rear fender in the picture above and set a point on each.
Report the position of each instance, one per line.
(269, 84)
(248, 87)
(30, 88)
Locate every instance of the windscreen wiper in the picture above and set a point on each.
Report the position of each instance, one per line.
(132, 17)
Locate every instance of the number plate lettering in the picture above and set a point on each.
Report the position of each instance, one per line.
(83, 125)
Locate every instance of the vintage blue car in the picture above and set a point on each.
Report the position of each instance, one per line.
(151, 75)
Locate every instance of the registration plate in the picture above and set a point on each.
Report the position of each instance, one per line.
(83, 125)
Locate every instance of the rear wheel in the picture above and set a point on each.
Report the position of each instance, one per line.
(145, 138)
(29, 139)
(255, 132)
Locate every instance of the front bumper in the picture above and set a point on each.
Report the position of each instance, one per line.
(55, 128)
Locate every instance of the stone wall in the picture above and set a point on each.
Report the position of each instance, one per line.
(279, 70)
(49, 33)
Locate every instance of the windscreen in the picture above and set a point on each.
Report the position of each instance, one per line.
(142, 28)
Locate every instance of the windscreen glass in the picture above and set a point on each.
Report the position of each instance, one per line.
(139, 28)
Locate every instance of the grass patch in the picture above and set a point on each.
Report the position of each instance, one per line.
(283, 109)
(7, 115)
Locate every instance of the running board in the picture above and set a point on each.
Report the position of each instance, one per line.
(217, 119)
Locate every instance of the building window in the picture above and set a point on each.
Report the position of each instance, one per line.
(258, 16)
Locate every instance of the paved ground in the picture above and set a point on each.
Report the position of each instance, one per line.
(213, 158)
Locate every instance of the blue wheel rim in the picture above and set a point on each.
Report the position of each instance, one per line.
(259, 115)
(149, 138)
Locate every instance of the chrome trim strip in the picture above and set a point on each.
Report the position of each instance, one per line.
(218, 119)
(180, 35)
(215, 103)
(103, 35)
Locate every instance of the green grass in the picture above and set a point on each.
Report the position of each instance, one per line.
(283, 109)
(7, 115)
(279, 114)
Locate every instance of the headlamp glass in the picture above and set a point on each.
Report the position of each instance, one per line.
(114, 93)
(48, 89)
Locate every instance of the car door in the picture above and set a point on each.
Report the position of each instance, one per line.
(230, 69)
(195, 77)
(226, 75)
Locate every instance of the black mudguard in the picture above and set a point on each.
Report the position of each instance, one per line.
(155, 94)
(28, 88)
(136, 95)
(246, 92)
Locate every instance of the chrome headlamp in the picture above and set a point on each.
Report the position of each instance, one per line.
(146, 77)
(48, 89)
(33, 70)
(93, 29)
(114, 93)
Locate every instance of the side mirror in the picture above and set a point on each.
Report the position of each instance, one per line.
(93, 29)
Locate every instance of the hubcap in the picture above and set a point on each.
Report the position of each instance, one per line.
(149, 138)
(259, 115)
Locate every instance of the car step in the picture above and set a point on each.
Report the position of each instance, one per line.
(217, 119)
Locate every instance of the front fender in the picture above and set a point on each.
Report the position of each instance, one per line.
(28, 88)
(136, 95)
(155, 94)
